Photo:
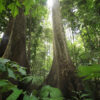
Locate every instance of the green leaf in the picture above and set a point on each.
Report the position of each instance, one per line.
(14, 9)
(89, 99)
(27, 97)
(16, 93)
(15, 65)
(55, 93)
(48, 91)
(61, 98)
(46, 99)
(18, 3)
(28, 4)
(45, 91)
(11, 73)
(4, 61)
(89, 72)
(2, 6)
(33, 79)
(84, 95)
(6, 86)
(3, 83)
(2, 67)
(22, 71)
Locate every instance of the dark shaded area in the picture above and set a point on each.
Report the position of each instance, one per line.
(5, 39)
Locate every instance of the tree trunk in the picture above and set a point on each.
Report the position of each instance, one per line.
(16, 48)
(6, 36)
(29, 40)
(62, 74)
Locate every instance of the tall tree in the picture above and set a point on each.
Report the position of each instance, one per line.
(16, 48)
(62, 74)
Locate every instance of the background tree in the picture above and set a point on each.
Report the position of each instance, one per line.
(83, 18)
(62, 74)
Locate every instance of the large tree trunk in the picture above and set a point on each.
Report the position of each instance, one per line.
(5, 39)
(16, 48)
(62, 74)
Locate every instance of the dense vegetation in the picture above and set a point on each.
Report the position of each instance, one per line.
(37, 63)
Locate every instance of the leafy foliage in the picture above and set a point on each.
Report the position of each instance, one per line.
(16, 93)
(91, 77)
(17, 72)
(16, 4)
(11, 68)
(5, 86)
(28, 4)
(89, 72)
(13, 72)
(83, 18)
(14, 9)
(35, 80)
(78, 95)
(2, 7)
(27, 97)
(50, 93)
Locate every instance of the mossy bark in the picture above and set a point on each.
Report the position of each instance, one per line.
(62, 74)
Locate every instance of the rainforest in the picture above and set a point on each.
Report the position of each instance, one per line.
(49, 49)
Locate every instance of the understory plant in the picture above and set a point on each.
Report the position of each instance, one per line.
(12, 74)
(91, 78)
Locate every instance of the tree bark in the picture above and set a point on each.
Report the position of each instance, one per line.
(16, 48)
(29, 40)
(6, 36)
(62, 74)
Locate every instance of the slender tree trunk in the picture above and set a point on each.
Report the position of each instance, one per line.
(62, 74)
(6, 36)
(29, 40)
(29, 48)
(16, 48)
